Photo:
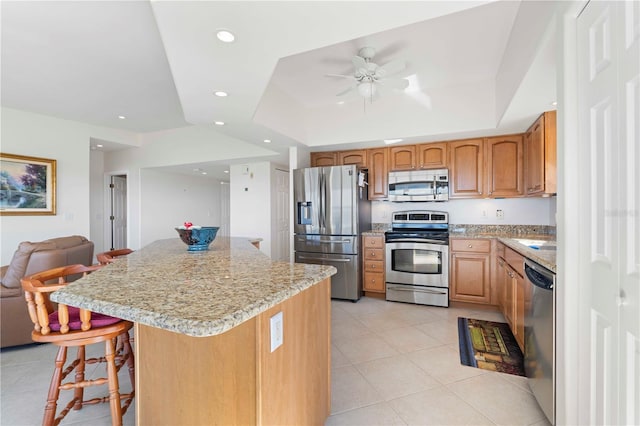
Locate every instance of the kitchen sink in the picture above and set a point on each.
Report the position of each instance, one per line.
(537, 244)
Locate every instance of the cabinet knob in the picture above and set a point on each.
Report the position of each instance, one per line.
(470, 246)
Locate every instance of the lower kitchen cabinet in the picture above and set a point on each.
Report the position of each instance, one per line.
(373, 264)
(512, 292)
(471, 271)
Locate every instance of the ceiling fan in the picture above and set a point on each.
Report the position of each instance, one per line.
(370, 78)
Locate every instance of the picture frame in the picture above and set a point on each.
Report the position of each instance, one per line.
(27, 185)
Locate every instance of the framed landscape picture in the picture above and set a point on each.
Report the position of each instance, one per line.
(27, 185)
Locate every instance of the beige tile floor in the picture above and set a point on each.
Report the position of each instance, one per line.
(392, 364)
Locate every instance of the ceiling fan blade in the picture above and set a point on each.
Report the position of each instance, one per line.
(347, 91)
(339, 76)
(390, 68)
(395, 83)
(359, 63)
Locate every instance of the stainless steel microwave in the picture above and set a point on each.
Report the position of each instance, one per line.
(419, 185)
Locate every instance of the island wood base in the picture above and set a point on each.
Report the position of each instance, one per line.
(234, 378)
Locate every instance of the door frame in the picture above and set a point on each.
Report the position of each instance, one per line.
(107, 208)
(568, 220)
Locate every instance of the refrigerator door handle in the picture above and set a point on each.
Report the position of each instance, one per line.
(325, 260)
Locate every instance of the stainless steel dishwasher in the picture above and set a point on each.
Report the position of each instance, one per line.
(539, 346)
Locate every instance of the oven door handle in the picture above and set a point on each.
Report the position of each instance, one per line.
(415, 290)
(325, 260)
(417, 240)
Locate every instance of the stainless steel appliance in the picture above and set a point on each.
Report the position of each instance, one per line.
(539, 334)
(417, 258)
(331, 209)
(419, 185)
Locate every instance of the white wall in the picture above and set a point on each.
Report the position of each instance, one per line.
(67, 142)
(517, 211)
(97, 201)
(250, 195)
(170, 199)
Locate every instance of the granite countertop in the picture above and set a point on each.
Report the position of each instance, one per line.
(544, 257)
(194, 293)
(373, 233)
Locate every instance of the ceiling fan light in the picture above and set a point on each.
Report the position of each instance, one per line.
(367, 89)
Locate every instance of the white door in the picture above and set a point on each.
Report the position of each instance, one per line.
(282, 216)
(118, 217)
(608, 131)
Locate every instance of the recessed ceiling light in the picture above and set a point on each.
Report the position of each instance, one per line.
(204, 173)
(220, 93)
(267, 141)
(122, 117)
(390, 141)
(99, 145)
(226, 171)
(554, 103)
(219, 123)
(340, 103)
(225, 35)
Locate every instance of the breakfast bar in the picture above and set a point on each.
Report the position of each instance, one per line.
(223, 336)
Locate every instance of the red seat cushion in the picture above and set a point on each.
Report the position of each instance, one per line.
(97, 320)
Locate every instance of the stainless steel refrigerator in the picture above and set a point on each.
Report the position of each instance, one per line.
(331, 210)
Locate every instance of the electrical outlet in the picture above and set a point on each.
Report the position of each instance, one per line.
(484, 213)
(276, 331)
(500, 214)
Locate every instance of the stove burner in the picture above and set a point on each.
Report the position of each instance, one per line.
(419, 225)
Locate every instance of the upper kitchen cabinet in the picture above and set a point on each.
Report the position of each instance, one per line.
(466, 168)
(540, 156)
(356, 156)
(432, 155)
(505, 166)
(324, 159)
(378, 163)
(402, 158)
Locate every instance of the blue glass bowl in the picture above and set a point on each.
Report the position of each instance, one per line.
(198, 239)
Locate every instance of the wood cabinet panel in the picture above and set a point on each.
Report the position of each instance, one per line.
(323, 159)
(356, 156)
(373, 241)
(373, 264)
(374, 282)
(432, 155)
(402, 158)
(377, 160)
(466, 168)
(540, 156)
(505, 166)
(470, 277)
(470, 245)
(373, 254)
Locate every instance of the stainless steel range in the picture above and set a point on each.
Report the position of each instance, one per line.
(417, 258)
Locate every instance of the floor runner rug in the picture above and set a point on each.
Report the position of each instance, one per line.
(490, 346)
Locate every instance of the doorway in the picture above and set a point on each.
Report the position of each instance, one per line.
(117, 190)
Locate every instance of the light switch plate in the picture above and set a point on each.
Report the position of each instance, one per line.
(276, 331)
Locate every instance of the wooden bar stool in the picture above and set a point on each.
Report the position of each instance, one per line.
(73, 327)
(107, 257)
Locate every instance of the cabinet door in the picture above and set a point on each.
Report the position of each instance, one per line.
(432, 155)
(323, 159)
(501, 280)
(377, 160)
(356, 156)
(505, 166)
(470, 277)
(535, 157)
(466, 169)
(402, 158)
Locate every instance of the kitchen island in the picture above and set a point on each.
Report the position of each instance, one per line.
(203, 332)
